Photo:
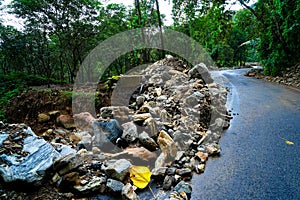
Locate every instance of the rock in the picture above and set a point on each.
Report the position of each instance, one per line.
(161, 160)
(66, 121)
(218, 124)
(200, 168)
(84, 121)
(185, 187)
(165, 116)
(140, 100)
(128, 192)
(42, 118)
(184, 172)
(82, 139)
(171, 170)
(200, 71)
(106, 131)
(168, 182)
(213, 149)
(63, 149)
(96, 150)
(54, 114)
(118, 170)
(181, 140)
(31, 167)
(130, 133)
(147, 141)
(151, 126)
(202, 156)
(141, 117)
(47, 133)
(166, 143)
(114, 187)
(68, 163)
(95, 184)
(179, 155)
(120, 113)
(85, 143)
(159, 173)
(68, 181)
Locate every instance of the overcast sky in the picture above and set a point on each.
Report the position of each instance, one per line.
(165, 8)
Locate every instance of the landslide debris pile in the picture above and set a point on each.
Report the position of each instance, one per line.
(172, 123)
(290, 77)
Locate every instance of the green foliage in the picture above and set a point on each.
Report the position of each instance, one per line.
(279, 27)
(13, 84)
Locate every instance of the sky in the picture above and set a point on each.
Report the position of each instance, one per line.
(165, 8)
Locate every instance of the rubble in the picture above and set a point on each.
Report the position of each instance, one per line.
(172, 124)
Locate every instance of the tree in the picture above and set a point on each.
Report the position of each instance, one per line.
(72, 24)
(278, 27)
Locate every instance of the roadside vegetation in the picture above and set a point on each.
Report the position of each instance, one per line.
(54, 41)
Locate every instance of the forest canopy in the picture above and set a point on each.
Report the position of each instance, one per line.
(58, 35)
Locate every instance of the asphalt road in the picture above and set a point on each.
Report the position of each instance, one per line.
(255, 163)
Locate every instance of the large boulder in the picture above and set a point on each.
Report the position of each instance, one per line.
(25, 158)
(106, 132)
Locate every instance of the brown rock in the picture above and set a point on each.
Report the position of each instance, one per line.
(84, 120)
(42, 118)
(66, 121)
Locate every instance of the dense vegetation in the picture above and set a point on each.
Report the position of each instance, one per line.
(58, 35)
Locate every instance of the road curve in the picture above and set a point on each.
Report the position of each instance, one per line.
(255, 161)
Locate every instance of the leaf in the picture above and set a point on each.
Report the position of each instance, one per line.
(286, 141)
(140, 176)
(289, 142)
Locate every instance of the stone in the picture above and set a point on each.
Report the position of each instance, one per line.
(54, 114)
(200, 168)
(31, 167)
(141, 117)
(66, 121)
(218, 124)
(140, 100)
(202, 156)
(185, 187)
(147, 141)
(201, 71)
(120, 113)
(213, 149)
(181, 140)
(184, 172)
(166, 143)
(42, 118)
(84, 121)
(158, 174)
(179, 155)
(106, 131)
(130, 133)
(161, 160)
(63, 149)
(68, 163)
(95, 184)
(168, 182)
(68, 180)
(85, 143)
(114, 187)
(165, 116)
(128, 192)
(118, 170)
(47, 133)
(171, 170)
(151, 126)
(96, 150)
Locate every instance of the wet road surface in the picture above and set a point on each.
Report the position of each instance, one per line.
(255, 161)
